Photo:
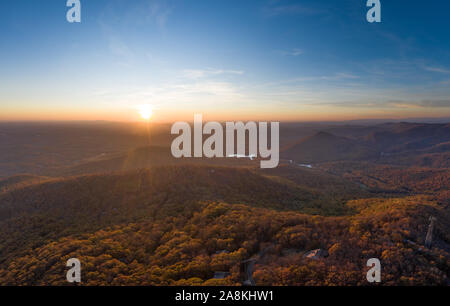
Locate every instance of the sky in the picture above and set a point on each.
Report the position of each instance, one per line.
(304, 60)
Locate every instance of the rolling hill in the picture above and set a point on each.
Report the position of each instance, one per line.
(184, 245)
(324, 146)
(408, 136)
(141, 158)
(35, 214)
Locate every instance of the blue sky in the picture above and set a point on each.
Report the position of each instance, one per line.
(273, 59)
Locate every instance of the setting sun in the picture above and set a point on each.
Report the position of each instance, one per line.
(145, 111)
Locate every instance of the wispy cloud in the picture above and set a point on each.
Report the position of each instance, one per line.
(159, 12)
(294, 9)
(333, 77)
(182, 93)
(293, 52)
(340, 76)
(204, 73)
(119, 48)
(412, 104)
(125, 57)
(403, 104)
(147, 12)
(400, 104)
(435, 103)
(436, 69)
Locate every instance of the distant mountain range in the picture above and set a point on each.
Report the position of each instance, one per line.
(324, 146)
(378, 143)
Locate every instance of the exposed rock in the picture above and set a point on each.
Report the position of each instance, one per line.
(246, 272)
(429, 238)
(222, 252)
(316, 254)
(409, 242)
(221, 275)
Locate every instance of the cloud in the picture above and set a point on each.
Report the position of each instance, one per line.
(352, 104)
(118, 15)
(159, 12)
(144, 13)
(124, 55)
(385, 104)
(435, 103)
(223, 89)
(293, 52)
(204, 73)
(420, 104)
(401, 104)
(436, 69)
(334, 77)
(181, 93)
(340, 76)
(295, 9)
(186, 88)
(119, 48)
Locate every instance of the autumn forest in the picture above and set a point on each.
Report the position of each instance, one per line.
(134, 215)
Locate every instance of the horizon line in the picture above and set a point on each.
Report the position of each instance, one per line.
(443, 118)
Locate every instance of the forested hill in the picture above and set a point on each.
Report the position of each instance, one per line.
(35, 213)
(180, 224)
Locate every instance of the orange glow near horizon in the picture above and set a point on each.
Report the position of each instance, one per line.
(147, 112)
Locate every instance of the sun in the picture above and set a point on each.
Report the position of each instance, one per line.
(145, 111)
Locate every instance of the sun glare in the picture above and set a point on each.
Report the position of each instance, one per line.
(145, 111)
